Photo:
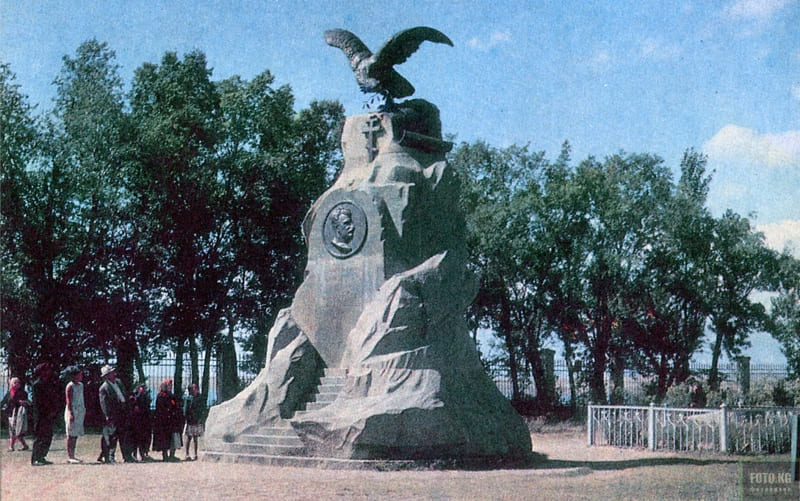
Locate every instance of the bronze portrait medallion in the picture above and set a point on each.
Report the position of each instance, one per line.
(345, 230)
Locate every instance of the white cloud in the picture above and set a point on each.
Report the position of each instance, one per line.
(741, 145)
(782, 235)
(731, 190)
(658, 50)
(496, 38)
(755, 10)
(600, 61)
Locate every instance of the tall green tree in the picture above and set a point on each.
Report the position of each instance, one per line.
(66, 198)
(739, 259)
(175, 198)
(273, 164)
(668, 309)
(89, 141)
(564, 217)
(18, 152)
(627, 192)
(501, 195)
(785, 310)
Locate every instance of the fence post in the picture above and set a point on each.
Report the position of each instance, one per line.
(589, 425)
(795, 447)
(743, 374)
(651, 427)
(723, 428)
(549, 362)
(617, 394)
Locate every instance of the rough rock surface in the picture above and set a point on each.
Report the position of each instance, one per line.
(383, 297)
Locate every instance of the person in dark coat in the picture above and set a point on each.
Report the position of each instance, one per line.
(141, 422)
(167, 423)
(114, 404)
(47, 405)
(698, 395)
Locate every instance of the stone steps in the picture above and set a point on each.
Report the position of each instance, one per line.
(280, 441)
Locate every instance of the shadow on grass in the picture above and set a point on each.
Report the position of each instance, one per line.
(626, 463)
(536, 461)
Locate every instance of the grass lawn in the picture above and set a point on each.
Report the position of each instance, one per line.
(566, 469)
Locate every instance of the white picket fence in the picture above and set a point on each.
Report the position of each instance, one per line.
(751, 430)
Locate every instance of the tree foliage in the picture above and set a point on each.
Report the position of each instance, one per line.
(167, 217)
(614, 258)
(784, 321)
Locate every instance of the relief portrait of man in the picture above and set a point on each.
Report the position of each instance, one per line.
(344, 229)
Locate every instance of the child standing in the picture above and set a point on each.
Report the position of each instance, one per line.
(17, 406)
(74, 411)
(193, 410)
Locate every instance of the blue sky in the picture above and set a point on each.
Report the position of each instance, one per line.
(639, 76)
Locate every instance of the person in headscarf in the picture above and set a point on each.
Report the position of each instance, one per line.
(17, 409)
(167, 423)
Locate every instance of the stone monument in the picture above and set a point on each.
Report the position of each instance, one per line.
(373, 359)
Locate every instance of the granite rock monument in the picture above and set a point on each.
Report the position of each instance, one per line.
(381, 306)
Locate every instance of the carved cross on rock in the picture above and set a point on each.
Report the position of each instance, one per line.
(371, 128)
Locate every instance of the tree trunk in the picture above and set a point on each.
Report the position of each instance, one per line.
(177, 380)
(513, 368)
(713, 373)
(573, 390)
(663, 378)
(193, 359)
(204, 389)
(139, 364)
(544, 393)
(126, 353)
(508, 335)
(228, 378)
(597, 387)
(618, 380)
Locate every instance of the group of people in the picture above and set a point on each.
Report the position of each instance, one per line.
(127, 418)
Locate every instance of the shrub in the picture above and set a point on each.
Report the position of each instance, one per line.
(771, 391)
(678, 396)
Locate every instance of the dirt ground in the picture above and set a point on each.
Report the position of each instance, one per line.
(567, 469)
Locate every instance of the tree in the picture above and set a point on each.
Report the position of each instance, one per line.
(668, 308)
(90, 128)
(785, 312)
(273, 163)
(500, 196)
(564, 231)
(19, 134)
(66, 196)
(175, 197)
(739, 257)
(626, 193)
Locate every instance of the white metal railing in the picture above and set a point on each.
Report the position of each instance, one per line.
(739, 431)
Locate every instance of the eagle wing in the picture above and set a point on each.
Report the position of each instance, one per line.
(404, 43)
(351, 45)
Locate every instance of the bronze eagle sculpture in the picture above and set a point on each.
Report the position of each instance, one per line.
(375, 72)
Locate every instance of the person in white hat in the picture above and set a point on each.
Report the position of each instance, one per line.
(112, 402)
